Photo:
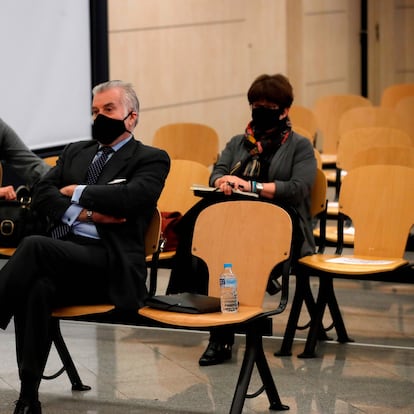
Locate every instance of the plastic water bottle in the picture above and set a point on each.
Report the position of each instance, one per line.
(229, 300)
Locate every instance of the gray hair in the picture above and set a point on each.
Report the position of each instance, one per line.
(130, 99)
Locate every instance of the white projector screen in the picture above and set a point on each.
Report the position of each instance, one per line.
(45, 70)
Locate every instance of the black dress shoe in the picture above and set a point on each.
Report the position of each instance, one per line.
(24, 407)
(215, 354)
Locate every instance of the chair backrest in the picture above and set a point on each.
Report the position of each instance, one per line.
(379, 199)
(304, 132)
(188, 141)
(364, 117)
(152, 236)
(252, 235)
(405, 109)
(359, 139)
(328, 110)
(318, 158)
(176, 194)
(303, 117)
(319, 193)
(385, 155)
(392, 94)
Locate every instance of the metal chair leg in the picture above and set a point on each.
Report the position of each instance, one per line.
(66, 359)
(254, 354)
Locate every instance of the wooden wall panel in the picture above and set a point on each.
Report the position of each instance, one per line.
(326, 36)
(391, 46)
(404, 41)
(193, 60)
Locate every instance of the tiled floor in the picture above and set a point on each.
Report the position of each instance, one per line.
(141, 370)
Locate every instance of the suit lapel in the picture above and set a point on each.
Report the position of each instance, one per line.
(117, 162)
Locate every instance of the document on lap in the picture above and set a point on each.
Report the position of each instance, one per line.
(204, 190)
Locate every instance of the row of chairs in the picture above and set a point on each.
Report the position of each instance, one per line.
(326, 120)
(378, 255)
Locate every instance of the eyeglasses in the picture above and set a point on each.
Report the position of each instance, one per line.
(264, 105)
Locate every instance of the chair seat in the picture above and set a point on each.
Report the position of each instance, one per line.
(333, 208)
(81, 310)
(330, 175)
(360, 265)
(328, 158)
(7, 251)
(201, 320)
(167, 255)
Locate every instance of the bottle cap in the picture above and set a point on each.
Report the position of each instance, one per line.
(227, 265)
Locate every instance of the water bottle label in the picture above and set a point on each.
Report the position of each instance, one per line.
(230, 282)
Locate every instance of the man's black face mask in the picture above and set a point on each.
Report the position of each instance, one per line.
(106, 130)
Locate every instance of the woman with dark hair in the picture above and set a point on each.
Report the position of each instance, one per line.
(268, 159)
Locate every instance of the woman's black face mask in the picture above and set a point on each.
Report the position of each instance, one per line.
(106, 130)
(266, 118)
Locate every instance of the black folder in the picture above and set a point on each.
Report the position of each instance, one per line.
(185, 303)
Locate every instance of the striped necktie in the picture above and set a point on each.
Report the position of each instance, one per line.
(94, 170)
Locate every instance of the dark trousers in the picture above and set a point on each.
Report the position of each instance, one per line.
(42, 274)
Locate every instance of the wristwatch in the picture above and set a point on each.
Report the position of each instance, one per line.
(259, 188)
(89, 217)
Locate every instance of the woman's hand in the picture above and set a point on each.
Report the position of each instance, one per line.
(8, 192)
(227, 183)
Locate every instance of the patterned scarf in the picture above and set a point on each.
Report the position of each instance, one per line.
(261, 146)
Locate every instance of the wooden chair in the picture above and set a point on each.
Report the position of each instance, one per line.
(188, 141)
(358, 139)
(51, 160)
(304, 119)
(382, 223)
(394, 93)
(303, 293)
(385, 155)
(318, 158)
(218, 238)
(305, 133)
(405, 109)
(376, 155)
(318, 207)
(364, 117)
(177, 196)
(328, 110)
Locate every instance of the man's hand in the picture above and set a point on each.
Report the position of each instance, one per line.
(8, 192)
(68, 190)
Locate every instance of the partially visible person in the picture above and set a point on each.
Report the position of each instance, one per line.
(100, 197)
(269, 159)
(25, 163)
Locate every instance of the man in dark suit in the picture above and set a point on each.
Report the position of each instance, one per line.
(100, 198)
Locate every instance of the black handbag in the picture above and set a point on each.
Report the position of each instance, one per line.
(17, 219)
(185, 303)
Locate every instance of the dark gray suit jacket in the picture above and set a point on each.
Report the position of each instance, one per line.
(145, 169)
